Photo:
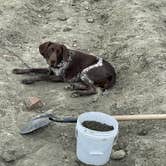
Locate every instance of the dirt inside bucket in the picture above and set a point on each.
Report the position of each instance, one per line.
(93, 125)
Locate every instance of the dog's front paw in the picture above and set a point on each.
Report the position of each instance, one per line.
(69, 87)
(27, 81)
(75, 94)
(18, 71)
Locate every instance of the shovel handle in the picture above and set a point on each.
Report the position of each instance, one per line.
(140, 117)
(65, 120)
(119, 118)
(69, 120)
(129, 117)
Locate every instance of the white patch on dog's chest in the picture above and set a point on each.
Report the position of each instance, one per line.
(60, 71)
(62, 66)
(56, 71)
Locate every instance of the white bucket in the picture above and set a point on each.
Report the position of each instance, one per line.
(94, 147)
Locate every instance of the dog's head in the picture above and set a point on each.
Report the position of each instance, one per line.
(54, 53)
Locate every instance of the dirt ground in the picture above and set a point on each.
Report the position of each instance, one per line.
(131, 34)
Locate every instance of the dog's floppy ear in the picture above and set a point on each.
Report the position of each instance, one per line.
(43, 47)
(65, 53)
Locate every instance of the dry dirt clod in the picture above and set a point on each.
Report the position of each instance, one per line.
(143, 132)
(11, 147)
(62, 18)
(33, 102)
(90, 20)
(74, 45)
(66, 29)
(118, 155)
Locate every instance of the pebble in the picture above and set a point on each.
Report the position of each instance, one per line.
(85, 4)
(67, 160)
(118, 155)
(143, 132)
(66, 29)
(74, 45)
(62, 18)
(86, 7)
(90, 20)
(5, 56)
(65, 134)
(8, 57)
(100, 36)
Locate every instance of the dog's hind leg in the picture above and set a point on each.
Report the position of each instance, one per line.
(31, 70)
(90, 90)
(76, 86)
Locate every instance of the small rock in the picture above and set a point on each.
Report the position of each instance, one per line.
(142, 132)
(62, 18)
(66, 29)
(73, 4)
(90, 20)
(74, 45)
(2, 164)
(86, 7)
(33, 102)
(85, 4)
(11, 147)
(100, 36)
(65, 134)
(5, 56)
(95, 99)
(65, 156)
(67, 160)
(8, 57)
(118, 155)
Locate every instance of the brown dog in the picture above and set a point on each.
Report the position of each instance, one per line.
(83, 71)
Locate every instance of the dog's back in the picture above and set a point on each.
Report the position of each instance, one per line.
(102, 74)
(79, 61)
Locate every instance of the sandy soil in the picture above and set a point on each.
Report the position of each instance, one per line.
(131, 34)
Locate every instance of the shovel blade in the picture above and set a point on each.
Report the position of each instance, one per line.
(35, 124)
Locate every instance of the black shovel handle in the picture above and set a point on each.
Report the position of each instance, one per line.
(65, 120)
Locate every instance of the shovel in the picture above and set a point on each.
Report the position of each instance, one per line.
(45, 119)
